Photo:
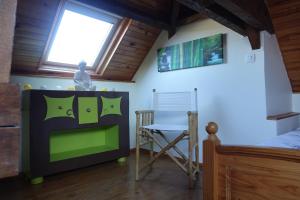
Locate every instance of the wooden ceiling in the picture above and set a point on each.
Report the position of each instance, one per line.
(35, 19)
(33, 29)
(286, 19)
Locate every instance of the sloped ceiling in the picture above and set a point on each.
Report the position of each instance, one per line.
(33, 26)
(35, 19)
(285, 15)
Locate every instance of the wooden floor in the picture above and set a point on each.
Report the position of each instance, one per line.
(108, 181)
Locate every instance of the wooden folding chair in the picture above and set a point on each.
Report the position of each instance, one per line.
(150, 133)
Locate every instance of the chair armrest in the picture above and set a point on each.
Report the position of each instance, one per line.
(192, 113)
(144, 117)
(143, 111)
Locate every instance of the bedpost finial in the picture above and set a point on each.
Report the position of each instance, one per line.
(212, 128)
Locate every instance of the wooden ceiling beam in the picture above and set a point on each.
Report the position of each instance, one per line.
(190, 19)
(174, 17)
(254, 37)
(225, 17)
(217, 13)
(254, 12)
(124, 9)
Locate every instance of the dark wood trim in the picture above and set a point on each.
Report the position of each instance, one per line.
(254, 37)
(282, 116)
(254, 12)
(191, 19)
(174, 17)
(217, 13)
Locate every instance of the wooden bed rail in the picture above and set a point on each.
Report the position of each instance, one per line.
(248, 172)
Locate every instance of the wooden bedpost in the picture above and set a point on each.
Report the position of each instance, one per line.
(210, 171)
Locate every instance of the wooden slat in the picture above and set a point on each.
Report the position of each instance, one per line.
(9, 105)
(7, 24)
(9, 151)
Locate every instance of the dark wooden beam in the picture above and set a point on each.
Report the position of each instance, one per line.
(206, 3)
(191, 19)
(254, 37)
(225, 17)
(254, 12)
(217, 13)
(174, 17)
(125, 9)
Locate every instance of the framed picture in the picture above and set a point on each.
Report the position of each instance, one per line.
(197, 53)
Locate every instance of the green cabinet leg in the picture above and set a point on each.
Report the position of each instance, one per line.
(37, 180)
(122, 160)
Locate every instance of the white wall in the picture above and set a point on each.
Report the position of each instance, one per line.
(278, 87)
(296, 102)
(52, 83)
(231, 94)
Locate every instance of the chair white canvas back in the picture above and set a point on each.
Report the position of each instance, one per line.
(172, 107)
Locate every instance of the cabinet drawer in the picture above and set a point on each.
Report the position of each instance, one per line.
(9, 105)
(59, 107)
(88, 110)
(9, 152)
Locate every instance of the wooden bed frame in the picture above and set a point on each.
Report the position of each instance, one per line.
(252, 173)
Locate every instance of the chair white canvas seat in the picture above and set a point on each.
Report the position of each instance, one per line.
(166, 127)
(174, 112)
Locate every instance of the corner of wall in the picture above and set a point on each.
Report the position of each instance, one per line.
(277, 84)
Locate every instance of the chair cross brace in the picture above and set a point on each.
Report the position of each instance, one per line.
(165, 149)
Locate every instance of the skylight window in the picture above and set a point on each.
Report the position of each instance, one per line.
(82, 33)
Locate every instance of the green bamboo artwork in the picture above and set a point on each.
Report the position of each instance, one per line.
(196, 53)
(175, 62)
(187, 54)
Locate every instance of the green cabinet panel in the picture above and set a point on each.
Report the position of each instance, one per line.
(80, 142)
(111, 106)
(59, 107)
(88, 110)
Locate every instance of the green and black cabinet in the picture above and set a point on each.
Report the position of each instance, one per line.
(65, 130)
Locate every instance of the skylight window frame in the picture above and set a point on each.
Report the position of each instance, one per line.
(86, 10)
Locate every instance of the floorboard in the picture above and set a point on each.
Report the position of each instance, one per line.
(108, 181)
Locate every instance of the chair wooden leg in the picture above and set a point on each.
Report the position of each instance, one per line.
(197, 158)
(190, 165)
(151, 147)
(137, 155)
